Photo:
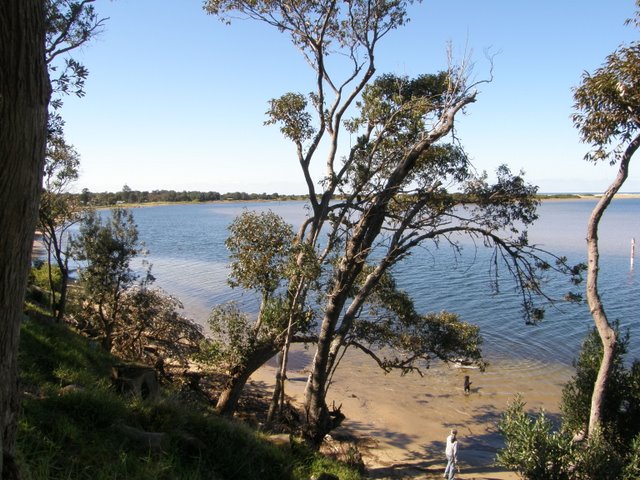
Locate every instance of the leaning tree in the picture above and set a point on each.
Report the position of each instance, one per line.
(396, 186)
(607, 115)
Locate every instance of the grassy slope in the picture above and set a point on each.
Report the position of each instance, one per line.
(75, 434)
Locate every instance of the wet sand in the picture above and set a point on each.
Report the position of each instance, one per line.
(403, 421)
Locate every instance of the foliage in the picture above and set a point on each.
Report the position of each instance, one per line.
(621, 408)
(631, 470)
(107, 250)
(608, 105)
(58, 212)
(155, 330)
(233, 336)
(106, 199)
(134, 321)
(70, 24)
(597, 459)
(40, 277)
(261, 249)
(75, 435)
(532, 447)
(231, 339)
(389, 323)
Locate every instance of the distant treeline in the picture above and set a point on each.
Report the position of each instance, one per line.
(128, 196)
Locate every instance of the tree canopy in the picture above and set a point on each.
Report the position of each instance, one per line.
(395, 187)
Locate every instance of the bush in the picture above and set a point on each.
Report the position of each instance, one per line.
(536, 451)
(631, 470)
(597, 459)
(621, 412)
(533, 448)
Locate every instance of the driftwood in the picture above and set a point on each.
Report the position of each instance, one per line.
(336, 417)
(137, 380)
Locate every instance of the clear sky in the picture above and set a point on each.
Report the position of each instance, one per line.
(175, 99)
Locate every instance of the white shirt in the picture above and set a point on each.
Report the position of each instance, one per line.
(452, 447)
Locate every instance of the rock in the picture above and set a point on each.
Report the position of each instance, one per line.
(72, 388)
(280, 439)
(137, 380)
(156, 441)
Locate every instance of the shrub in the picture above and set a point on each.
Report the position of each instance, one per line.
(533, 448)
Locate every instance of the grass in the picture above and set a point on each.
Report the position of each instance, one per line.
(71, 423)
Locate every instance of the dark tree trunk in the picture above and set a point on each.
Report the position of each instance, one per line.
(229, 397)
(24, 97)
(64, 287)
(62, 260)
(277, 399)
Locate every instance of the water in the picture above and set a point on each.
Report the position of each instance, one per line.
(186, 245)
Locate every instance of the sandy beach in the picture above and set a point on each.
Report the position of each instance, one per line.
(402, 422)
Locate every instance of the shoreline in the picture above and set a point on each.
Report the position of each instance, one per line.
(400, 423)
(544, 197)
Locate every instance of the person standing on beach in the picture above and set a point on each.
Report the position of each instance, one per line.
(451, 452)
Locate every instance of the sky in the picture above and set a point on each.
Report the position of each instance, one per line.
(176, 99)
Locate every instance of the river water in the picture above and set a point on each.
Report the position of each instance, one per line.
(186, 249)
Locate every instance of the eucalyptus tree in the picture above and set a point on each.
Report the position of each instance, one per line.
(27, 26)
(260, 247)
(264, 257)
(396, 186)
(262, 250)
(24, 96)
(607, 105)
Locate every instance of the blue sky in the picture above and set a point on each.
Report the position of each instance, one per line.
(175, 99)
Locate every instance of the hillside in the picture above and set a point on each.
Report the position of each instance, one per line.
(75, 425)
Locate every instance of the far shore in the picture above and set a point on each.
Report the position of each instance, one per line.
(545, 197)
(584, 196)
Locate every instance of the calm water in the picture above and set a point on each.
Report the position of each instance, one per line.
(186, 244)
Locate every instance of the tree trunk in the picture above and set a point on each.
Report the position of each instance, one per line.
(607, 334)
(64, 288)
(277, 400)
(356, 253)
(24, 96)
(275, 408)
(317, 421)
(316, 411)
(229, 397)
(63, 264)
